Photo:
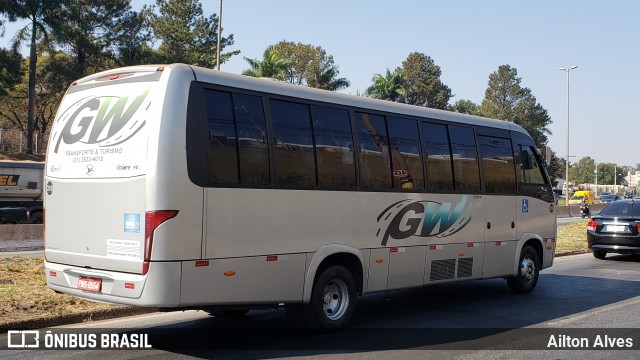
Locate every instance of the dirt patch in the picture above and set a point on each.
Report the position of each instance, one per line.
(27, 302)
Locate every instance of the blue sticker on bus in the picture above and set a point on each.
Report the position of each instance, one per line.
(131, 223)
(525, 205)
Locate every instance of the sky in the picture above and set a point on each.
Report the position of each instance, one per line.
(469, 40)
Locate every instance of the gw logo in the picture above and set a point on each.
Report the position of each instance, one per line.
(88, 119)
(423, 219)
(9, 180)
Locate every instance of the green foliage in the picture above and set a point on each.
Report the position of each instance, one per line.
(95, 31)
(271, 66)
(388, 87)
(186, 35)
(326, 77)
(583, 172)
(505, 99)
(556, 168)
(50, 84)
(422, 83)
(310, 65)
(465, 107)
(10, 73)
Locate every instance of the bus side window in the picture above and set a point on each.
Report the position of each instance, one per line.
(294, 157)
(438, 162)
(406, 159)
(222, 138)
(334, 147)
(465, 159)
(375, 165)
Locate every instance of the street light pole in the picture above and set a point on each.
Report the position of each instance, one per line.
(219, 37)
(596, 171)
(567, 174)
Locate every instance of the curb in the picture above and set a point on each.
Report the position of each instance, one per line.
(573, 252)
(33, 324)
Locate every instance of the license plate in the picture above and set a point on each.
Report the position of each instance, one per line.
(90, 284)
(615, 228)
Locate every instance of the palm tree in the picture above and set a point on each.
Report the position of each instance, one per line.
(389, 87)
(271, 66)
(326, 79)
(41, 14)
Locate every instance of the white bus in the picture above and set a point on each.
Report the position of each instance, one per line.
(182, 187)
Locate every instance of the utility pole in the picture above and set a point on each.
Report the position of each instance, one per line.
(219, 37)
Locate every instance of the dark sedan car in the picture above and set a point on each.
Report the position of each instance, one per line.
(616, 229)
(605, 199)
(14, 215)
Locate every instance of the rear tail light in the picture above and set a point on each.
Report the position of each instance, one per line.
(153, 219)
(638, 227)
(592, 225)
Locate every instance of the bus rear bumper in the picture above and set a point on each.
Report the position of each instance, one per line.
(160, 287)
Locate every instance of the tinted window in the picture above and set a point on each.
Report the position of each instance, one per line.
(294, 157)
(375, 169)
(406, 160)
(498, 166)
(465, 159)
(622, 208)
(439, 166)
(252, 140)
(334, 147)
(530, 171)
(222, 145)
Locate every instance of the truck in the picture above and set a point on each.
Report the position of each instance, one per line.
(21, 185)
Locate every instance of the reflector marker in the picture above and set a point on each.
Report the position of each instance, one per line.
(202, 263)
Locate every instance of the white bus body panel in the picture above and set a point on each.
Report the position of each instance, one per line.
(96, 215)
(230, 246)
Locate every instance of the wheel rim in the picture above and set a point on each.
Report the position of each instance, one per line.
(335, 299)
(527, 270)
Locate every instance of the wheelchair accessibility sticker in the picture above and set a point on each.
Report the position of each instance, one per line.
(525, 205)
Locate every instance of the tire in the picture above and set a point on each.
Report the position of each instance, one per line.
(36, 218)
(333, 301)
(599, 254)
(528, 272)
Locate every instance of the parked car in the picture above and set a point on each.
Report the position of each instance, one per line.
(605, 199)
(14, 215)
(616, 229)
(628, 195)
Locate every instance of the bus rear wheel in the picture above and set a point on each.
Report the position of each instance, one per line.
(333, 301)
(528, 272)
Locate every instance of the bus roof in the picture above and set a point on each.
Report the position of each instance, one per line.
(287, 89)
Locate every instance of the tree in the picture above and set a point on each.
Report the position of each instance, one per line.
(271, 66)
(505, 99)
(40, 14)
(422, 83)
(582, 172)
(310, 65)
(101, 34)
(389, 87)
(325, 77)
(186, 35)
(556, 168)
(10, 72)
(50, 90)
(465, 107)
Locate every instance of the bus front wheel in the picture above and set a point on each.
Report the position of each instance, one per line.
(333, 301)
(528, 272)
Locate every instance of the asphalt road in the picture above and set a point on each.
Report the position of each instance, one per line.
(579, 296)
